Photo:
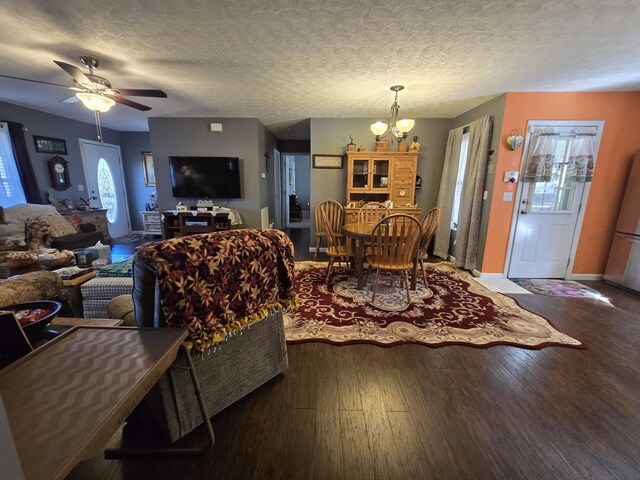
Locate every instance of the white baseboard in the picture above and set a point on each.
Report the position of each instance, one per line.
(585, 276)
(479, 274)
(313, 249)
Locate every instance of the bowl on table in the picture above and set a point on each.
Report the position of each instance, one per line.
(47, 311)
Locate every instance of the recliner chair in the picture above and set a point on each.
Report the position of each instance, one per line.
(238, 365)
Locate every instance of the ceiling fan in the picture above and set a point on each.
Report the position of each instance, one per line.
(96, 92)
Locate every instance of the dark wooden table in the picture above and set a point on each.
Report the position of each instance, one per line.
(362, 232)
(66, 399)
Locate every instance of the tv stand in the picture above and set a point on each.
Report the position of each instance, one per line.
(190, 223)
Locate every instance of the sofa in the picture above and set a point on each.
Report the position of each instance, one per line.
(228, 289)
(29, 287)
(42, 225)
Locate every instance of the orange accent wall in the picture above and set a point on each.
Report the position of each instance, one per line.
(620, 139)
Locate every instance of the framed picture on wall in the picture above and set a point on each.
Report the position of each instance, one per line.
(149, 172)
(50, 145)
(327, 161)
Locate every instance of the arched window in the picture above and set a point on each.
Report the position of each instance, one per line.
(107, 190)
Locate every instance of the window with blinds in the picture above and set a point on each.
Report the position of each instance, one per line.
(11, 191)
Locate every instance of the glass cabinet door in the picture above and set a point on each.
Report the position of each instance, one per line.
(360, 174)
(380, 174)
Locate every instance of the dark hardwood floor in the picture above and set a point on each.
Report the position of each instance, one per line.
(411, 411)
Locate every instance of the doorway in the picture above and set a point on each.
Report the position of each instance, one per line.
(295, 201)
(548, 215)
(105, 183)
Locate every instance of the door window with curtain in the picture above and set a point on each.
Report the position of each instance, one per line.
(11, 190)
(555, 179)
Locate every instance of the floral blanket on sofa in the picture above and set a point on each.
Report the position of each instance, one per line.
(216, 284)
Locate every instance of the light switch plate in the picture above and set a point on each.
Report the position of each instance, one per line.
(507, 197)
(485, 195)
(81, 188)
(215, 127)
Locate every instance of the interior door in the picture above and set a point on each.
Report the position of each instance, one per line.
(546, 222)
(105, 181)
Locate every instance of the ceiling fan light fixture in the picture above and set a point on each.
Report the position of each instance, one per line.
(95, 102)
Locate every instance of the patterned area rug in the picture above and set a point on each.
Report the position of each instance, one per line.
(561, 288)
(452, 310)
(131, 238)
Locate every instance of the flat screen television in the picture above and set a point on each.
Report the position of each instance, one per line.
(205, 177)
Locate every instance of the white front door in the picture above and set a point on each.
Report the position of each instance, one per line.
(105, 181)
(547, 220)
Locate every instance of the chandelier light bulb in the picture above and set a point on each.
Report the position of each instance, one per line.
(378, 128)
(405, 125)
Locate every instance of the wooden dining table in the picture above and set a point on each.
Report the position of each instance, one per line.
(361, 232)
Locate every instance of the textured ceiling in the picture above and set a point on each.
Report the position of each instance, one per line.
(283, 61)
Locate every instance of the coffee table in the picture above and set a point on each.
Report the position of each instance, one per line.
(66, 399)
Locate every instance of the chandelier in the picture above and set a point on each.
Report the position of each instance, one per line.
(397, 128)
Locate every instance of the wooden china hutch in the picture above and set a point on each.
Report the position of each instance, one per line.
(382, 177)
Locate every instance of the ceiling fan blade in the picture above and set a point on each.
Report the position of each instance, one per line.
(73, 99)
(75, 72)
(129, 103)
(34, 81)
(136, 92)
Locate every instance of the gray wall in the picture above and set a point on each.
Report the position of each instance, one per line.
(303, 179)
(331, 135)
(191, 136)
(132, 145)
(493, 107)
(294, 146)
(49, 125)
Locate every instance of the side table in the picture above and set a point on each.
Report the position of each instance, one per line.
(71, 290)
(66, 399)
(151, 222)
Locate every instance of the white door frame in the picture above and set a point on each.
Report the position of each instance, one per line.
(124, 187)
(288, 160)
(277, 181)
(284, 201)
(599, 124)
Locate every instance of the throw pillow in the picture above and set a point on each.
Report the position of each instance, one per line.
(75, 220)
(37, 235)
(118, 269)
(59, 226)
(12, 236)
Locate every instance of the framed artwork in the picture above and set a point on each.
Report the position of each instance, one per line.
(149, 172)
(50, 145)
(327, 161)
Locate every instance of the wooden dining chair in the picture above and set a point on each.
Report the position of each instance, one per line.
(335, 213)
(373, 212)
(429, 225)
(334, 249)
(394, 241)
